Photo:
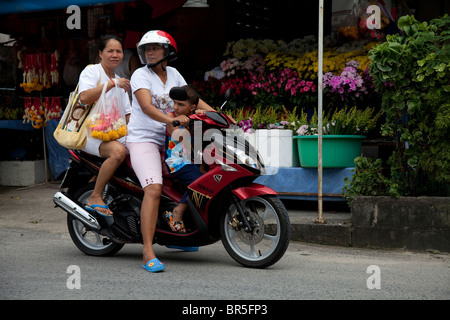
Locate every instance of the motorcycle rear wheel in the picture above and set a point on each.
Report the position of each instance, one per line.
(87, 240)
(270, 237)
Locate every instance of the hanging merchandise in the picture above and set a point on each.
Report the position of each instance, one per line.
(52, 107)
(40, 70)
(375, 19)
(34, 112)
(54, 73)
(348, 30)
(39, 113)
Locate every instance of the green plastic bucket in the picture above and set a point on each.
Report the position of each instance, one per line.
(338, 151)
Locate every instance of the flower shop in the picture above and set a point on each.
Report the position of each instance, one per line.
(275, 93)
(268, 54)
(275, 98)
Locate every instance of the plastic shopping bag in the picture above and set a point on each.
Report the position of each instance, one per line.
(107, 118)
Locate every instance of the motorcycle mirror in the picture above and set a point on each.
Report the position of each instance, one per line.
(227, 96)
(228, 93)
(178, 93)
(217, 117)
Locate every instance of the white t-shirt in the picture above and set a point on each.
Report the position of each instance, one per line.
(89, 79)
(142, 128)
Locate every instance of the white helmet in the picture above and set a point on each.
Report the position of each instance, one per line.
(158, 37)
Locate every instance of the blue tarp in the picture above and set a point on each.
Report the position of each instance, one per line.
(160, 7)
(16, 125)
(58, 157)
(302, 183)
(17, 6)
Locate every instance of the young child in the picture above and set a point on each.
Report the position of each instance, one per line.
(179, 156)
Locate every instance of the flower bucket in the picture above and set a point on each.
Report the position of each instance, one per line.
(275, 147)
(338, 151)
(250, 137)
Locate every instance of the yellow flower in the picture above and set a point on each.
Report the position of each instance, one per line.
(122, 131)
(113, 135)
(96, 134)
(105, 137)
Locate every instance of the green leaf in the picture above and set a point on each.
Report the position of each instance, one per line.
(395, 46)
(420, 77)
(412, 106)
(413, 161)
(383, 67)
(440, 67)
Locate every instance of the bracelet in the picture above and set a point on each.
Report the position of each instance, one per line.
(114, 84)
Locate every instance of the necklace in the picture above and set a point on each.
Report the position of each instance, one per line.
(162, 77)
(164, 83)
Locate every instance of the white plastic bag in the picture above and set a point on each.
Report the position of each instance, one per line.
(107, 119)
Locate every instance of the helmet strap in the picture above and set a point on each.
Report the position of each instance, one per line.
(152, 65)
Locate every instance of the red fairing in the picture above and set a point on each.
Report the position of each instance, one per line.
(203, 117)
(253, 190)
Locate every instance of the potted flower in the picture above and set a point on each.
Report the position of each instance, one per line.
(244, 128)
(342, 135)
(270, 132)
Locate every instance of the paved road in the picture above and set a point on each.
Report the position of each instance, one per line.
(34, 265)
(39, 261)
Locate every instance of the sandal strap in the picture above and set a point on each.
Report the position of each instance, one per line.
(178, 225)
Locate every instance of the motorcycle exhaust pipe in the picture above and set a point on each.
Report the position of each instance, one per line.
(65, 203)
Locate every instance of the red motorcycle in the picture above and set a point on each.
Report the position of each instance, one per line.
(224, 203)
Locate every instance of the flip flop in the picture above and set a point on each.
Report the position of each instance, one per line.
(154, 265)
(176, 226)
(188, 249)
(92, 209)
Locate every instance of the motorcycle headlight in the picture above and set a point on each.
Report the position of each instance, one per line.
(248, 159)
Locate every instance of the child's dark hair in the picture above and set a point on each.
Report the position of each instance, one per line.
(104, 41)
(192, 94)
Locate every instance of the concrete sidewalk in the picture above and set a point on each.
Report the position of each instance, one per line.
(32, 207)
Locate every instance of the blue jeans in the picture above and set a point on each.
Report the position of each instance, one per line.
(188, 174)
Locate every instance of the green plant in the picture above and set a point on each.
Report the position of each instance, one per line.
(344, 121)
(412, 71)
(368, 180)
(291, 120)
(260, 118)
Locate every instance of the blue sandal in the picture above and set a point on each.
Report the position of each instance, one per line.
(188, 249)
(154, 265)
(92, 209)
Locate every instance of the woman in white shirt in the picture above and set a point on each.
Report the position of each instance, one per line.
(146, 130)
(91, 82)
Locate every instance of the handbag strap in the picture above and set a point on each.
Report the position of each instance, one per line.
(75, 99)
(92, 105)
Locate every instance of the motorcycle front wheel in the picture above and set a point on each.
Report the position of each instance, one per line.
(269, 239)
(87, 240)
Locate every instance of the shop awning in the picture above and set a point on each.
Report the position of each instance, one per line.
(22, 6)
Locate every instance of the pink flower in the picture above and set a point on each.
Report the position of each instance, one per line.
(302, 130)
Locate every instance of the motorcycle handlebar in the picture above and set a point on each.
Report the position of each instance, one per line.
(177, 123)
(218, 118)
